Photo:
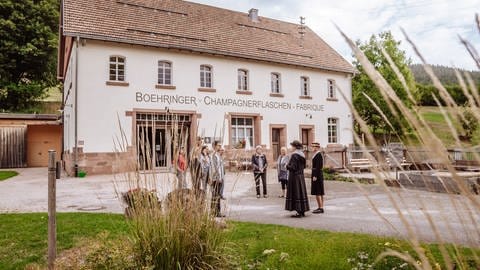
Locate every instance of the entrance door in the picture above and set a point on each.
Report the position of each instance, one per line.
(156, 145)
(159, 137)
(160, 147)
(276, 142)
(307, 139)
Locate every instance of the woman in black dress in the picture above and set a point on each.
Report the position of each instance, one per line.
(296, 190)
(317, 178)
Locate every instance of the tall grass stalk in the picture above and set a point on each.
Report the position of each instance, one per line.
(466, 204)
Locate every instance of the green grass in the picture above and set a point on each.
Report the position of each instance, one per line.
(23, 237)
(7, 174)
(23, 241)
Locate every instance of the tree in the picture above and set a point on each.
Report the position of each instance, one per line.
(361, 82)
(28, 42)
(469, 123)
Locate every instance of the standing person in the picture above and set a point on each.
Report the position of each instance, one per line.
(181, 168)
(259, 163)
(221, 152)
(218, 174)
(205, 163)
(196, 168)
(296, 189)
(317, 178)
(282, 171)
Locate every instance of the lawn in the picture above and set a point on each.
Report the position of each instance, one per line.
(23, 242)
(7, 174)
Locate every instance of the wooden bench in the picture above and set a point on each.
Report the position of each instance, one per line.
(467, 168)
(359, 164)
(404, 164)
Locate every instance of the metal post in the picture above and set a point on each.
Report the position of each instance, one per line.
(52, 224)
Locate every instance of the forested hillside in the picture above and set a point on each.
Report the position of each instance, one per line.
(445, 74)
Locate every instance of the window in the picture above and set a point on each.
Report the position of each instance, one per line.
(164, 73)
(331, 89)
(205, 76)
(332, 130)
(275, 83)
(117, 68)
(243, 79)
(242, 131)
(305, 86)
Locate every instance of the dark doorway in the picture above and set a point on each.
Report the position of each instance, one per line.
(276, 142)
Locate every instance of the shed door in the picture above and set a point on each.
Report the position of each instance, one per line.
(12, 146)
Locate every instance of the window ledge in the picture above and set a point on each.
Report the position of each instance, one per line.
(276, 95)
(305, 97)
(244, 92)
(165, 86)
(332, 99)
(207, 89)
(117, 83)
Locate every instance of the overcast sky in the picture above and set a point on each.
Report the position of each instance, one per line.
(434, 25)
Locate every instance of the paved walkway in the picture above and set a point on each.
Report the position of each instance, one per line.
(348, 207)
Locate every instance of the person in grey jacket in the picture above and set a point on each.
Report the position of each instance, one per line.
(259, 163)
(218, 176)
(282, 171)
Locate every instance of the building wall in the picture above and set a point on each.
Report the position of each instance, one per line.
(103, 109)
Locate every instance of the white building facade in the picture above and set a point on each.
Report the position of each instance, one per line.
(126, 101)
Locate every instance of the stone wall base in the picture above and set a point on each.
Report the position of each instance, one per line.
(99, 163)
(110, 162)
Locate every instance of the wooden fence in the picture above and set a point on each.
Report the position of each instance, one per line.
(13, 150)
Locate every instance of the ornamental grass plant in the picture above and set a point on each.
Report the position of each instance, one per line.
(464, 199)
(171, 227)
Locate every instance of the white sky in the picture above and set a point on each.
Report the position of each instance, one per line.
(434, 25)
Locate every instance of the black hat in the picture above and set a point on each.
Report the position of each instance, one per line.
(296, 144)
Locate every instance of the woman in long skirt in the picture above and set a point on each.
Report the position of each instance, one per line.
(296, 189)
(282, 171)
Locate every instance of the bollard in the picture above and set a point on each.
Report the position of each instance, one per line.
(52, 224)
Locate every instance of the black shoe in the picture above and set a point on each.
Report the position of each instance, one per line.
(318, 211)
(265, 196)
(297, 215)
(222, 198)
(220, 215)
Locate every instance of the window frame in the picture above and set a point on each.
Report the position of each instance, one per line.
(332, 130)
(303, 84)
(331, 91)
(275, 83)
(234, 128)
(204, 73)
(245, 79)
(117, 64)
(164, 78)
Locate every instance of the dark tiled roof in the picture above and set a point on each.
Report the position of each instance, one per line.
(184, 25)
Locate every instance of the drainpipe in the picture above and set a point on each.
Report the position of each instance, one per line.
(75, 157)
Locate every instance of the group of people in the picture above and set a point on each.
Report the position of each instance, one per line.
(207, 169)
(290, 171)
